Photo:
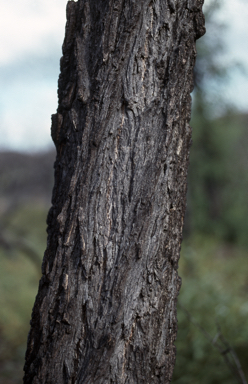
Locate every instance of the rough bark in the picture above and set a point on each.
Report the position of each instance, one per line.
(106, 307)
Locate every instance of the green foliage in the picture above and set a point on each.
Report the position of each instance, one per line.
(218, 177)
(28, 221)
(19, 276)
(18, 281)
(214, 289)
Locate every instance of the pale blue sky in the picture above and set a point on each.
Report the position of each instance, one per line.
(31, 36)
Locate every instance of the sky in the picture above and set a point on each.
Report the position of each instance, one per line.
(31, 36)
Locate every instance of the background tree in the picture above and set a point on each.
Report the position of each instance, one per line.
(106, 306)
(218, 161)
(215, 242)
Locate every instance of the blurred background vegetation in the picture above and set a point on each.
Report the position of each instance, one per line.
(213, 263)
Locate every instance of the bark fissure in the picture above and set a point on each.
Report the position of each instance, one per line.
(106, 307)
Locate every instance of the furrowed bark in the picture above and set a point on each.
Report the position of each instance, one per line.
(106, 307)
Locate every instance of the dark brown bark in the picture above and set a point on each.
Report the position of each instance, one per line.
(106, 307)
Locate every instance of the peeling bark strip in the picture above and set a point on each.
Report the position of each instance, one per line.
(106, 307)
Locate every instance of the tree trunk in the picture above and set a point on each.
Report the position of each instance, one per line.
(106, 307)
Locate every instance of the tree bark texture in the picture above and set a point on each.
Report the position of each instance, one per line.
(106, 307)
